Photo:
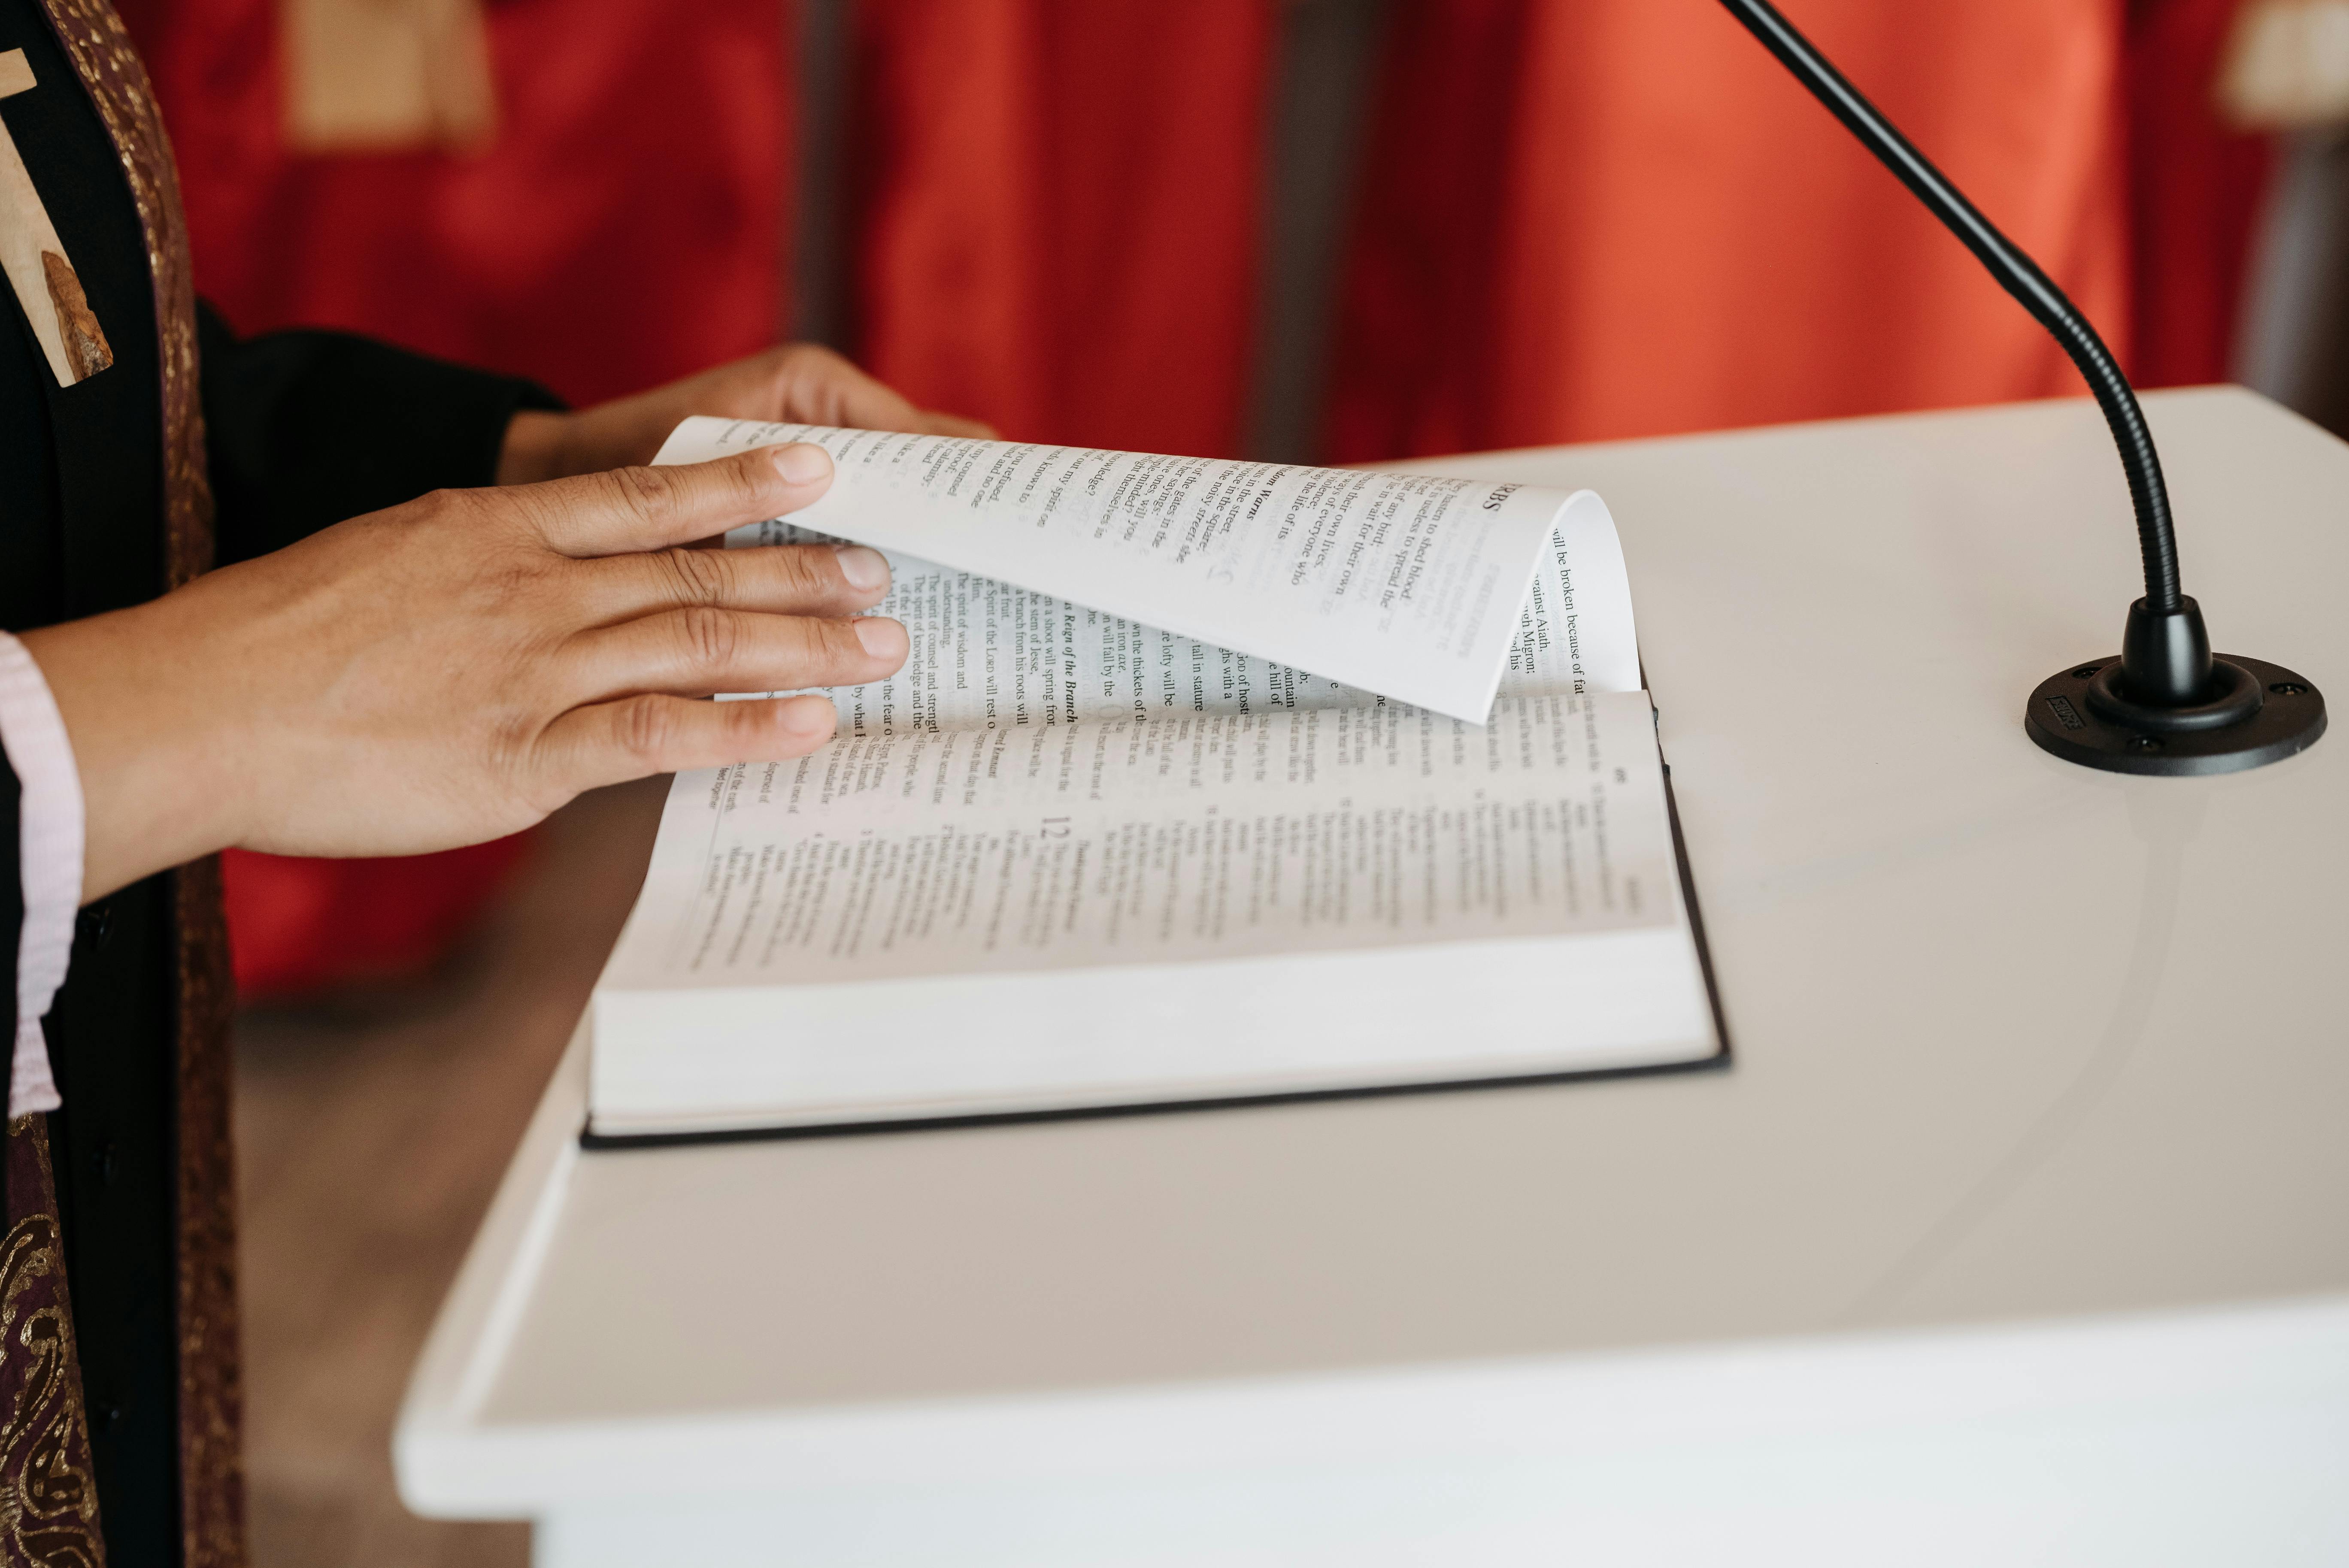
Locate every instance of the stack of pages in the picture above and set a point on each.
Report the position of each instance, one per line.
(1103, 842)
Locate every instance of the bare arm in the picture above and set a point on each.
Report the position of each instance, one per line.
(455, 668)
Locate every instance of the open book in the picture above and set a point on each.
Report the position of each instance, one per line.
(1104, 842)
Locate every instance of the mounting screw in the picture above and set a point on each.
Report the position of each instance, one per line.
(2146, 743)
(2083, 672)
(2289, 688)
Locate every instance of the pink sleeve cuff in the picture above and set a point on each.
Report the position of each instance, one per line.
(49, 852)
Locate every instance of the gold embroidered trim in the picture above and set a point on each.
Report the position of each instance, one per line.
(211, 1469)
(211, 1403)
(48, 1500)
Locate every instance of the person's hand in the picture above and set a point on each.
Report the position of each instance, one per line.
(453, 669)
(799, 383)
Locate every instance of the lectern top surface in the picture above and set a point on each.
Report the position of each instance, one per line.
(2013, 1038)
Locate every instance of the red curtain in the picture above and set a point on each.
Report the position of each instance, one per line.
(2195, 186)
(1620, 218)
(1059, 213)
(1580, 218)
(623, 227)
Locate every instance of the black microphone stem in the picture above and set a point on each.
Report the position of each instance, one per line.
(2017, 272)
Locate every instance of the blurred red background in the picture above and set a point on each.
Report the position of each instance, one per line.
(1574, 220)
(623, 227)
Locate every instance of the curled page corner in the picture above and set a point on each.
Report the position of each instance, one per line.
(1408, 587)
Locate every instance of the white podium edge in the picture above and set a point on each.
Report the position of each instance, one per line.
(484, 1305)
(2273, 1358)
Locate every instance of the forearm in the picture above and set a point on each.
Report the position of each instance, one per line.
(451, 670)
(147, 757)
(357, 688)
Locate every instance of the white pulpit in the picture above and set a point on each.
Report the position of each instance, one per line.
(2017, 1230)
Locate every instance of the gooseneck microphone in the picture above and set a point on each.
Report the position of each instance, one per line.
(2165, 704)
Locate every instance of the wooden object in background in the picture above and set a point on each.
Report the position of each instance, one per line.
(387, 73)
(2288, 65)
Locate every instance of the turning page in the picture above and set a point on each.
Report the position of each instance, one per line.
(982, 654)
(1404, 585)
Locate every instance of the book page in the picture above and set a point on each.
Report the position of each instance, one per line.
(1405, 585)
(1210, 835)
(984, 655)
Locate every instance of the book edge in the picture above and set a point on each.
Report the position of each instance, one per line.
(1719, 1057)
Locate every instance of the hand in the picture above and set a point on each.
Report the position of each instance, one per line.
(453, 669)
(799, 383)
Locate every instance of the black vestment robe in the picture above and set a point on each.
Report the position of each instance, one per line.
(97, 511)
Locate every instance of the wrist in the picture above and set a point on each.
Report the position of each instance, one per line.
(537, 448)
(155, 766)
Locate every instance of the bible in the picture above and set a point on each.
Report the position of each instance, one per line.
(1204, 782)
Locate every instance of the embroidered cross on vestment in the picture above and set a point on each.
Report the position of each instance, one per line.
(34, 258)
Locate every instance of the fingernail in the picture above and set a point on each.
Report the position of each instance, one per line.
(810, 716)
(882, 637)
(864, 568)
(801, 464)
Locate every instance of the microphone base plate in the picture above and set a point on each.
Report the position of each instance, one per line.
(2062, 720)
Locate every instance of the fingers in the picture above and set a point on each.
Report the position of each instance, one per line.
(657, 507)
(780, 579)
(818, 386)
(616, 742)
(936, 424)
(693, 653)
